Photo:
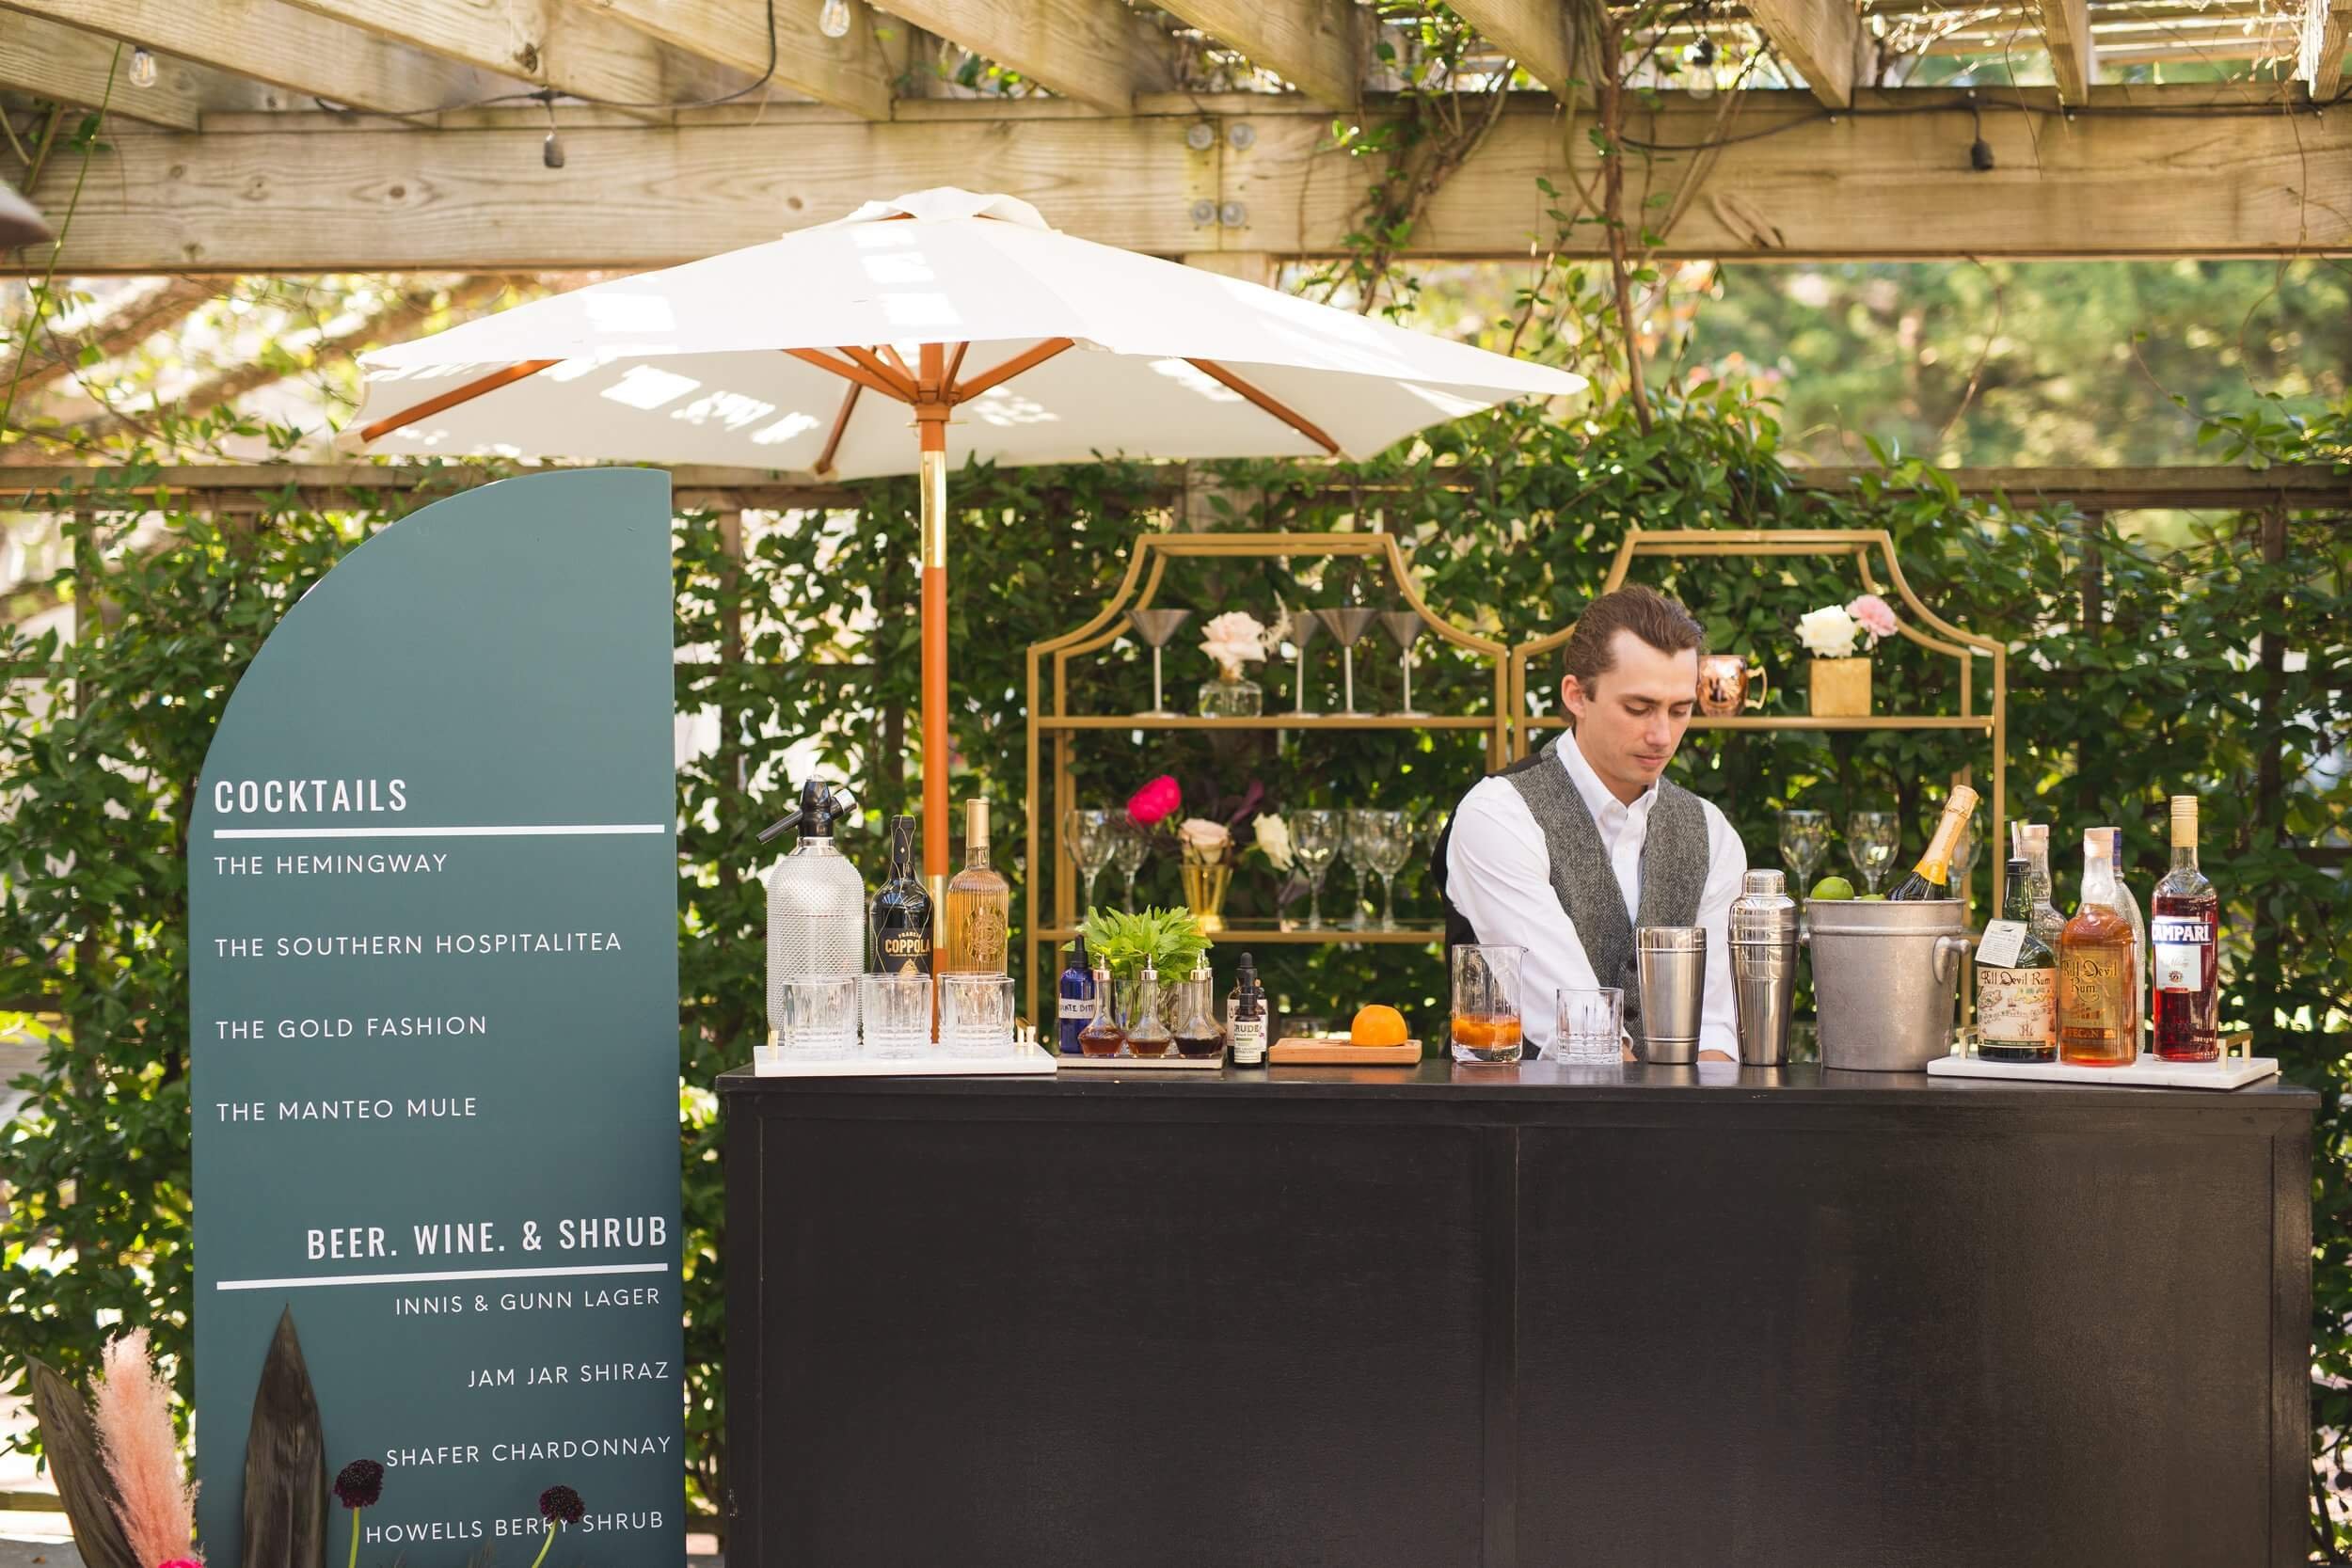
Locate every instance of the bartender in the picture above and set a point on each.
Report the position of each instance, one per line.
(1564, 852)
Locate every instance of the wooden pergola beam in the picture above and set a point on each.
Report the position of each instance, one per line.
(1533, 32)
(570, 48)
(849, 73)
(1102, 53)
(2073, 57)
(1792, 184)
(2333, 21)
(70, 65)
(1315, 45)
(1821, 39)
(272, 41)
(2313, 488)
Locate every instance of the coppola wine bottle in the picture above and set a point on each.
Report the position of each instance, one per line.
(900, 915)
(2186, 925)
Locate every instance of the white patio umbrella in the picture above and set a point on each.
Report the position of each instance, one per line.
(1003, 338)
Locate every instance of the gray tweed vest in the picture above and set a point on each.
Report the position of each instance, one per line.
(1673, 872)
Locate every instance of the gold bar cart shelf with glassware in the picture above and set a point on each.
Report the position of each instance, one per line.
(1053, 919)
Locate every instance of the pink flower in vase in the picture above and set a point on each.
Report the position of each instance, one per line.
(1874, 615)
(1155, 801)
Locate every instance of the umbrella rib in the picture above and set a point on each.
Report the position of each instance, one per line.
(1273, 405)
(873, 362)
(519, 370)
(1029, 359)
(848, 372)
(840, 425)
(955, 362)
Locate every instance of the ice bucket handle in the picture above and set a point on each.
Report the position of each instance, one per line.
(1949, 951)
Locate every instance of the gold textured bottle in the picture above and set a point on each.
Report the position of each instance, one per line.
(979, 904)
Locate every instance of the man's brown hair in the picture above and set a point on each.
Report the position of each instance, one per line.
(1657, 620)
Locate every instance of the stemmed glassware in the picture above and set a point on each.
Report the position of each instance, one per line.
(1392, 847)
(1155, 629)
(1315, 837)
(1301, 626)
(1405, 627)
(1130, 846)
(1803, 844)
(1348, 627)
(1871, 839)
(1093, 838)
(1364, 836)
(1963, 861)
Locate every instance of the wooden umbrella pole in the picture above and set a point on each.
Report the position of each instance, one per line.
(931, 418)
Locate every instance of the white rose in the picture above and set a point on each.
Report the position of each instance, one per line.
(1203, 837)
(1829, 632)
(1274, 840)
(1234, 639)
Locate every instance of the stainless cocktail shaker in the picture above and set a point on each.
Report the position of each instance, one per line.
(1763, 967)
(1670, 964)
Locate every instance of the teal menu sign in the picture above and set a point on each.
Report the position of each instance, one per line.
(433, 950)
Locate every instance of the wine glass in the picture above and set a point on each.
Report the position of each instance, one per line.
(1092, 836)
(1392, 847)
(1364, 836)
(1130, 846)
(1965, 859)
(1803, 844)
(1871, 839)
(1348, 627)
(1405, 627)
(1315, 842)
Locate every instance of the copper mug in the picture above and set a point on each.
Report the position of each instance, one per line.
(1723, 680)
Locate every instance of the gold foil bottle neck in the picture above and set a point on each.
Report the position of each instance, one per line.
(976, 824)
(2184, 821)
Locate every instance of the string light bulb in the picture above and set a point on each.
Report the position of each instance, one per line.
(833, 19)
(142, 69)
(1701, 52)
(551, 149)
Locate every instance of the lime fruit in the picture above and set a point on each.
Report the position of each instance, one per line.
(1833, 887)
(1868, 898)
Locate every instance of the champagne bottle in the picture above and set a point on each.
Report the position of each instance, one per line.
(900, 914)
(1933, 876)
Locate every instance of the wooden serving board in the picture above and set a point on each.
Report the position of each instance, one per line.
(1145, 1064)
(1330, 1050)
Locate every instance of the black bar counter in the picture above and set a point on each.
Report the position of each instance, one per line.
(1502, 1316)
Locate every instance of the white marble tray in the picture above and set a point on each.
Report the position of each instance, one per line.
(2150, 1072)
(1020, 1059)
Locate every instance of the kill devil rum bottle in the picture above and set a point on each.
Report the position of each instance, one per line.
(900, 914)
(2098, 1022)
(2184, 925)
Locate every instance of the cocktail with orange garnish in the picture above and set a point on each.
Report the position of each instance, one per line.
(1486, 1003)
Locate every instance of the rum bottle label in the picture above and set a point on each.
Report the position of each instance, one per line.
(2091, 991)
(2017, 1007)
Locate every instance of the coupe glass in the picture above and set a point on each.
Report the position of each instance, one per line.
(1392, 847)
(1803, 844)
(1130, 848)
(1315, 837)
(1871, 839)
(1094, 838)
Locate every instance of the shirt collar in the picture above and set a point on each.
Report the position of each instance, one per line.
(1598, 799)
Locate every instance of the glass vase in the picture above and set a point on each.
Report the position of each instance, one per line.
(1229, 696)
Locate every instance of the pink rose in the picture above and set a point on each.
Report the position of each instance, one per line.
(1155, 801)
(1875, 615)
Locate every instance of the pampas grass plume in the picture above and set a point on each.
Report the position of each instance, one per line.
(132, 1409)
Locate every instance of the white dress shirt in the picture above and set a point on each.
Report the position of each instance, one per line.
(1499, 874)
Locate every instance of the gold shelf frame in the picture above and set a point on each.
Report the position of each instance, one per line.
(1858, 546)
(1050, 716)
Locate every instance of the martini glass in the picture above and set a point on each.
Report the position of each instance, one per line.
(1155, 629)
(1348, 627)
(1405, 627)
(1302, 626)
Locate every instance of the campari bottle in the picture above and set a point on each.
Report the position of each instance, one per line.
(2185, 926)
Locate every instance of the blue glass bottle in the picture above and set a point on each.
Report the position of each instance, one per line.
(1077, 997)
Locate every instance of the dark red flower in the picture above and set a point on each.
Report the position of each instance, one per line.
(359, 1483)
(562, 1504)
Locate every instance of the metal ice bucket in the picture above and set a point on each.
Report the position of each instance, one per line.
(1885, 980)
